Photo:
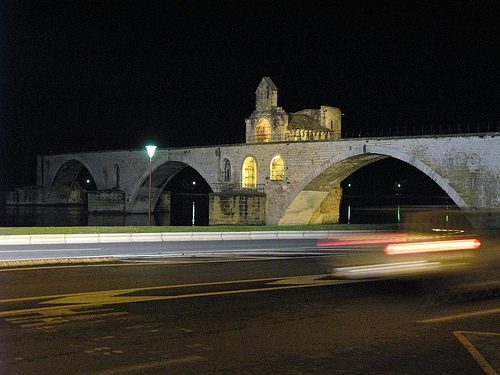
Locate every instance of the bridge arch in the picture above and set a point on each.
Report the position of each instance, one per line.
(320, 182)
(62, 185)
(161, 174)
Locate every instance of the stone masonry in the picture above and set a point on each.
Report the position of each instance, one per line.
(466, 167)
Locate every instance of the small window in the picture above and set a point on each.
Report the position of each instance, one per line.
(227, 171)
(277, 168)
(117, 176)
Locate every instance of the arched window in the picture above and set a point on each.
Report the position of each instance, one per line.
(263, 131)
(249, 173)
(117, 175)
(227, 171)
(277, 168)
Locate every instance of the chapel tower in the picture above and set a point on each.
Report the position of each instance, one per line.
(270, 123)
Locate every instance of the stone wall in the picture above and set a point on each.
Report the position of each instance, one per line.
(328, 211)
(32, 195)
(164, 203)
(106, 201)
(237, 208)
(77, 195)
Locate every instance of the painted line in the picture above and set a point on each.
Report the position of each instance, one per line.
(460, 335)
(132, 290)
(151, 365)
(114, 297)
(177, 253)
(49, 251)
(461, 316)
(128, 261)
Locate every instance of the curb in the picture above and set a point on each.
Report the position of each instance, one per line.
(53, 239)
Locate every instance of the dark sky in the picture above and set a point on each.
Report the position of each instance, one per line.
(97, 75)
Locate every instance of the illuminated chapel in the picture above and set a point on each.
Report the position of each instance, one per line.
(270, 123)
(247, 203)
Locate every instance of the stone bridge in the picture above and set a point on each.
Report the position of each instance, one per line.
(299, 180)
(288, 171)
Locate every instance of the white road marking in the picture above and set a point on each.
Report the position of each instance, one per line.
(460, 335)
(461, 316)
(49, 251)
(150, 365)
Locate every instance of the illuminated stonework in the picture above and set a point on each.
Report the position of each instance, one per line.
(249, 173)
(235, 208)
(263, 131)
(270, 123)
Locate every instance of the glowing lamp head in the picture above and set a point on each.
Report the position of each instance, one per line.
(151, 150)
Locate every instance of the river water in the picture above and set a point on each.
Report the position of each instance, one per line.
(359, 210)
(187, 210)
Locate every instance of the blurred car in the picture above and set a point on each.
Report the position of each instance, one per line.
(433, 242)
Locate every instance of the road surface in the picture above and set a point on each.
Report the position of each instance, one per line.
(238, 315)
(159, 249)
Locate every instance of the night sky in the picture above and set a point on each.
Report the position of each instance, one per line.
(106, 75)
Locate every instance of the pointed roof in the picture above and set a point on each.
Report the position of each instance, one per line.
(269, 82)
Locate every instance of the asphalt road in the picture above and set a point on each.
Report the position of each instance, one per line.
(266, 315)
(159, 249)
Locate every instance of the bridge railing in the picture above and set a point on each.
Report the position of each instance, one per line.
(378, 131)
(223, 187)
(420, 130)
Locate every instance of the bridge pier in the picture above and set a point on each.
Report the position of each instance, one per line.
(106, 201)
(314, 207)
(237, 208)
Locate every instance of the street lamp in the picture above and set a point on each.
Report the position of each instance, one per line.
(151, 152)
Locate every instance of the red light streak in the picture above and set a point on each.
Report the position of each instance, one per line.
(432, 247)
(363, 239)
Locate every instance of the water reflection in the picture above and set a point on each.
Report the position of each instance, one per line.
(385, 209)
(40, 216)
(353, 210)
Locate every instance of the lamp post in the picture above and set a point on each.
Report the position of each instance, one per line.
(151, 152)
